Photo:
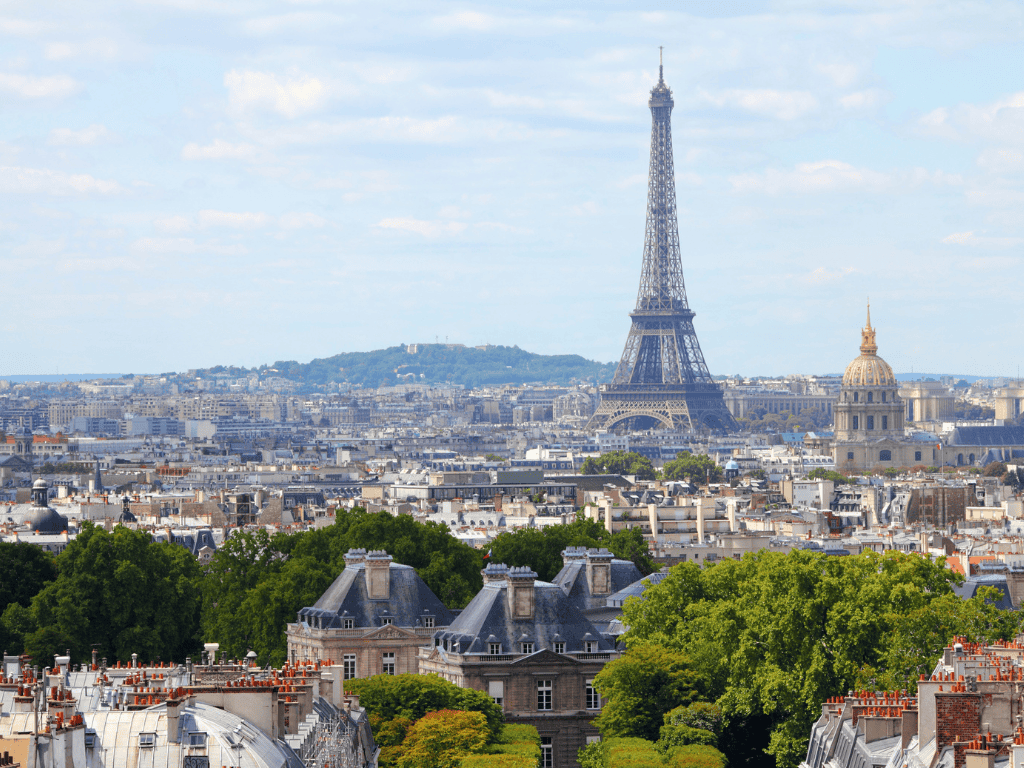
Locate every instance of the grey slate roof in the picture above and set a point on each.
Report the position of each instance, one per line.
(636, 589)
(573, 578)
(982, 436)
(409, 600)
(971, 584)
(488, 619)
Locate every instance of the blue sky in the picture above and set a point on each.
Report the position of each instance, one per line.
(198, 182)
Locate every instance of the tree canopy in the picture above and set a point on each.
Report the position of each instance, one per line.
(770, 636)
(120, 592)
(619, 463)
(541, 548)
(696, 467)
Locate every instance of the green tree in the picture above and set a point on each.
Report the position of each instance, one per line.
(820, 473)
(771, 636)
(386, 697)
(641, 686)
(698, 723)
(697, 467)
(619, 463)
(441, 739)
(123, 593)
(24, 570)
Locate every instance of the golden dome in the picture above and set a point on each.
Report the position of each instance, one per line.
(869, 370)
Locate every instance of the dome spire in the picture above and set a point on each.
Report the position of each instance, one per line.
(867, 344)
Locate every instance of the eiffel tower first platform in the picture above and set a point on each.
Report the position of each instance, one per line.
(662, 381)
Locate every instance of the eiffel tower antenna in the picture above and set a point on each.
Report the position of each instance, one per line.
(662, 380)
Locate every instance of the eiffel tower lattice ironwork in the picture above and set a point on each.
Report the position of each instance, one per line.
(662, 380)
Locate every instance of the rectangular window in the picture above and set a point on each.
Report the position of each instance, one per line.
(349, 666)
(197, 739)
(856, 422)
(428, 622)
(546, 752)
(544, 695)
(388, 663)
(348, 623)
(559, 647)
(496, 690)
(871, 397)
(590, 647)
(871, 422)
(386, 621)
(494, 648)
(527, 647)
(593, 698)
(917, 455)
(885, 422)
(849, 455)
(593, 739)
(147, 739)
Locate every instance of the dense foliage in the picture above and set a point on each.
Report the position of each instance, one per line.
(820, 473)
(699, 468)
(255, 583)
(769, 637)
(119, 592)
(437, 364)
(632, 752)
(541, 548)
(397, 704)
(619, 463)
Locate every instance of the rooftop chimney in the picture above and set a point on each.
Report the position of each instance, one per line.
(378, 575)
(599, 571)
(520, 592)
(354, 557)
(494, 572)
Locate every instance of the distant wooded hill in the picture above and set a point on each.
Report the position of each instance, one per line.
(440, 363)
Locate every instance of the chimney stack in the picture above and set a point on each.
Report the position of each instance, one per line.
(378, 575)
(599, 571)
(520, 592)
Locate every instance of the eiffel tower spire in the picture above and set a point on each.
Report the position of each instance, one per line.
(662, 379)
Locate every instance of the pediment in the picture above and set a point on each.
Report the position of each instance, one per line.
(546, 656)
(391, 632)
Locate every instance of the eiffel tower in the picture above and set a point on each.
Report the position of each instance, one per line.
(662, 381)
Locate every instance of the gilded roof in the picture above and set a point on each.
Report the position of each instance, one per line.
(868, 370)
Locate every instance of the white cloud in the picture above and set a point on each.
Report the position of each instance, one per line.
(296, 220)
(30, 87)
(246, 220)
(68, 137)
(836, 176)
(825, 275)
(861, 99)
(1001, 121)
(289, 96)
(781, 105)
(970, 238)
(430, 229)
(42, 181)
(218, 150)
(172, 225)
(473, 21)
(184, 245)
(843, 75)
(1001, 160)
(93, 49)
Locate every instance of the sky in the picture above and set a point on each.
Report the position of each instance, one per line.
(187, 183)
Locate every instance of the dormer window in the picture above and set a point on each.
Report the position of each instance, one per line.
(559, 647)
(590, 647)
(428, 622)
(386, 621)
(197, 739)
(494, 649)
(527, 647)
(348, 623)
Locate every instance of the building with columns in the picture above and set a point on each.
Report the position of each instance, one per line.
(870, 415)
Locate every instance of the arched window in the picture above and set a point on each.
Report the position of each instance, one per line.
(883, 397)
(856, 397)
(885, 422)
(885, 455)
(871, 397)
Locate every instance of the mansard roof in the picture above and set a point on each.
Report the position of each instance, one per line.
(488, 619)
(409, 600)
(572, 579)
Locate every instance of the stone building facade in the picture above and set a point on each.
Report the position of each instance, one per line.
(372, 620)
